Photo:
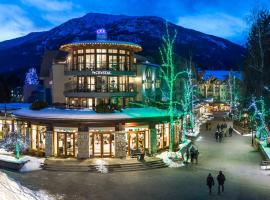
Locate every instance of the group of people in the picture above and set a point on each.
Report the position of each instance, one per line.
(220, 179)
(193, 153)
(221, 131)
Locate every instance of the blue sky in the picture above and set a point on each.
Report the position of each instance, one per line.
(224, 18)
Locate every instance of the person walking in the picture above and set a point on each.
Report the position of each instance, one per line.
(187, 155)
(218, 126)
(230, 131)
(196, 155)
(221, 180)
(216, 135)
(210, 182)
(220, 136)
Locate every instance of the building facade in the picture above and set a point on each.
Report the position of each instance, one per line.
(89, 74)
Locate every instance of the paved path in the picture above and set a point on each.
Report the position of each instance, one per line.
(234, 156)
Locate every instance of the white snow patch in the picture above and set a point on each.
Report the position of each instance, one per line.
(12, 190)
(101, 166)
(172, 159)
(33, 164)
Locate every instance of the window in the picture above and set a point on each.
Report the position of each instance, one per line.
(81, 83)
(101, 61)
(101, 50)
(122, 63)
(80, 63)
(113, 85)
(122, 52)
(90, 50)
(148, 76)
(74, 63)
(91, 83)
(122, 83)
(80, 51)
(90, 61)
(113, 62)
(128, 64)
(75, 52)
(112, 50)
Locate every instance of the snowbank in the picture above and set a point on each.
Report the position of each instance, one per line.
(174, 159)
(12, 190)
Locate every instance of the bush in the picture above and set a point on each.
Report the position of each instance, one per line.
(38, 105)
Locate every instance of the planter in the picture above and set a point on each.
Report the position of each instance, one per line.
(12, 165)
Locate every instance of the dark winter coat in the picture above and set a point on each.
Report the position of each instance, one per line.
(210, 181)
(221, 179)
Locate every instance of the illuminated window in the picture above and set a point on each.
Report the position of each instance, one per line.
(90, 50)
(113, 85)
(113, 62)
(90, 61)
(122, 83)
(148, 76)
(122, 51)
(80, 51)
(112, 50)
(101, 50)
(91, 83)
(122, 63)
(101, 61)
(80, 62)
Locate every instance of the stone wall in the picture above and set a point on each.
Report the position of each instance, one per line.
(49, 143)
(120, 144)
(153, 141)
(83, 145)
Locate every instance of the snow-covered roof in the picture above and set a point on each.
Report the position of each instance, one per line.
(130, 45)
(221, 74)
(86, 114)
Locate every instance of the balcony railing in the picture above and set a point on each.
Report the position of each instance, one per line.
(99, 66)
(73, 87)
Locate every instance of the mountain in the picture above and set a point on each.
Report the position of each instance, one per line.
(207, 51)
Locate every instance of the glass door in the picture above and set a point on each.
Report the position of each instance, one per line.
(66, 144)
(97, 144)
(61, 144)
(136, 141)
(106, 144)
(70, 146)
(102, 144)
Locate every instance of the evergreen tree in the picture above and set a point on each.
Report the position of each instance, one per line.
(31, 77)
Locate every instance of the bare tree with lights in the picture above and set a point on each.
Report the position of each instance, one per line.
(170, 75)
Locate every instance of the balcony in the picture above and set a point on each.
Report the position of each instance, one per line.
(74, 90)
(92, 69)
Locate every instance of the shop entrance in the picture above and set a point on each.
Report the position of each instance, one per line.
(136, 141)
(65, 144)
(103, 144)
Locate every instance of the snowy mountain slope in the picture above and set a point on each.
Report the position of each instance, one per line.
(208, 51)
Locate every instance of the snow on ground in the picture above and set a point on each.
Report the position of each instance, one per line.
(33, 164)
(12, 190)
(174, 159)
(101, 166)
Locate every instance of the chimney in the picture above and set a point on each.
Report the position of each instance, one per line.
(101, 34)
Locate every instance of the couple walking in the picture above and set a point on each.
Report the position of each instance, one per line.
(220, 179)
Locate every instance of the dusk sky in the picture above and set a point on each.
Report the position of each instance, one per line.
(223, 18)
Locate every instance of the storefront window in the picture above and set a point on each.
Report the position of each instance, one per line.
(113, 85)
(101, 61)
(80, 63)
(162, 135)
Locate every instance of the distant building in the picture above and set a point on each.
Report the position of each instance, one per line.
(214, 88)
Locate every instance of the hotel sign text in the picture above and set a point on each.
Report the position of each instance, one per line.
(101, 72)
